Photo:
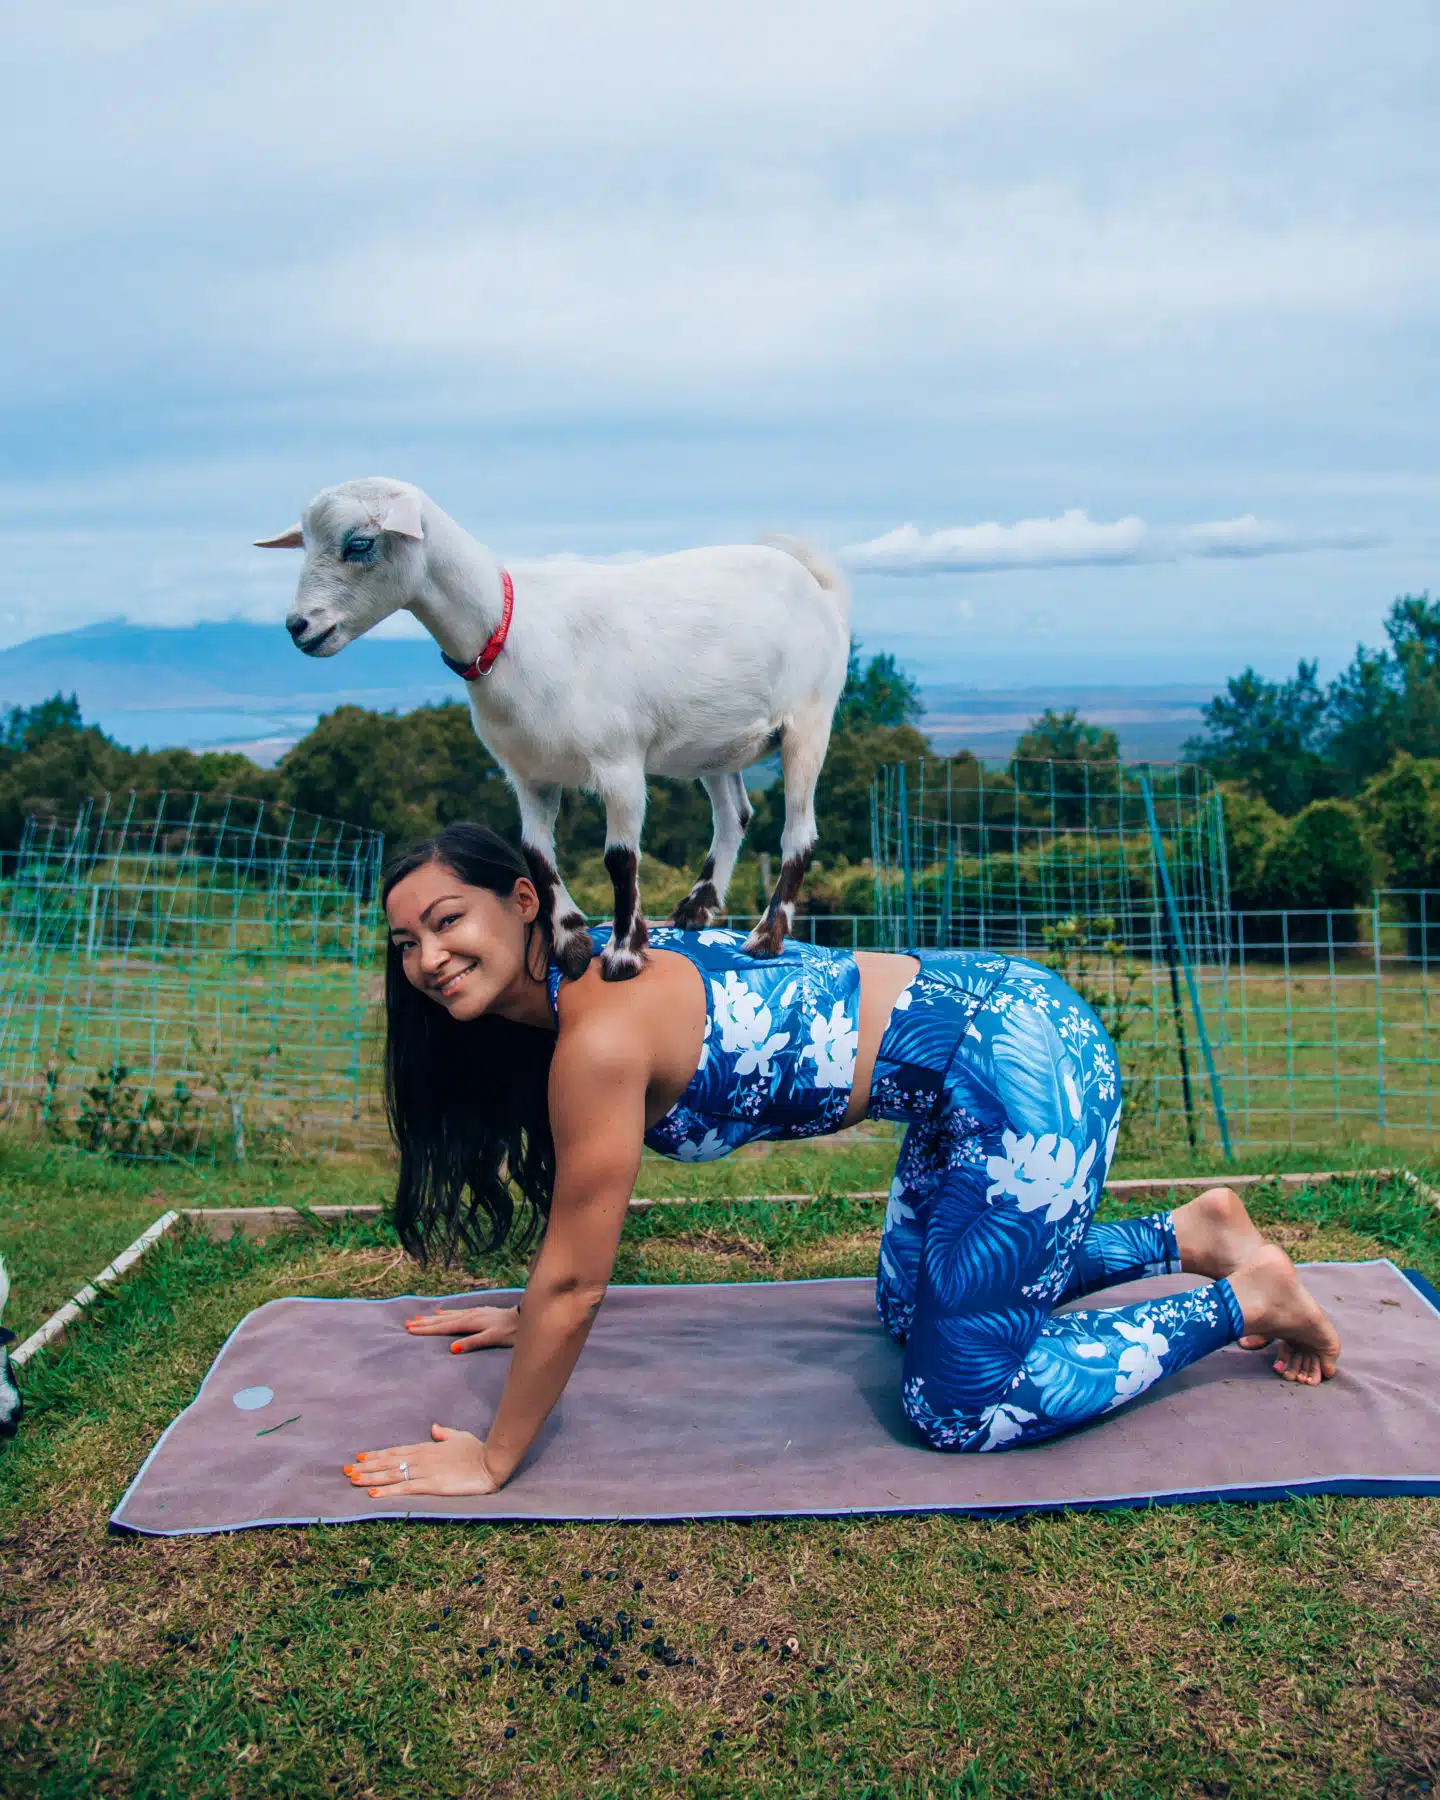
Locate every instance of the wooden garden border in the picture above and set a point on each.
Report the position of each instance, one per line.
(221, 1223)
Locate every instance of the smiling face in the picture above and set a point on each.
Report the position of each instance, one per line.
(464, 947)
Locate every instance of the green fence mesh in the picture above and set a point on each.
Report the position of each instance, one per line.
(187, 975)
(1321, 1025)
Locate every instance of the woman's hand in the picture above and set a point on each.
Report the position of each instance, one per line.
(453, 1464)
(481, 1327)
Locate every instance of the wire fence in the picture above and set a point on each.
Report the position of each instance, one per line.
(1236, 1030)
(196, 977)
(185, 975)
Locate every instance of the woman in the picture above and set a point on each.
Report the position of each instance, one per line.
(502, 1077)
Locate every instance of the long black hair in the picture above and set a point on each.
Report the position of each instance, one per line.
(467, 1101)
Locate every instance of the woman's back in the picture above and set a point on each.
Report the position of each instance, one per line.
(777, 1059)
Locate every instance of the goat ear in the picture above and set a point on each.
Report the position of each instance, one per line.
(293, 539)
(402, 514)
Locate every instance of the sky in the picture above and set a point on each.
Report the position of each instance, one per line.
(1099, 340)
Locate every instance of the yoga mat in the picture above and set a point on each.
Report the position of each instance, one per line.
(753, 1399)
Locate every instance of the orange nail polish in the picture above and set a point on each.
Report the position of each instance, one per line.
(374, 1493)
(349, 1468)
(360, 1457)
(455, 1349)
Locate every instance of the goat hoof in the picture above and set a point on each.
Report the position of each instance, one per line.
(691, 915)
(572, 950)
(767, 939)
(620, 965)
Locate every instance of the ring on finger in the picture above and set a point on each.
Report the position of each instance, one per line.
(404, 1471)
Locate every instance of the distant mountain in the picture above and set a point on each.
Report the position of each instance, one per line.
(1152, 723)
(246, 687)
(223, 684)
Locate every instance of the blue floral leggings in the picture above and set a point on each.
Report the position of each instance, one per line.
(1011, 1091)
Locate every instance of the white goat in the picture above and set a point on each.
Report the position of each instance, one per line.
(597, 675)
(11, 1405)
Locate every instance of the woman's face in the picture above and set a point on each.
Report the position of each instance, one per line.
(463, 947)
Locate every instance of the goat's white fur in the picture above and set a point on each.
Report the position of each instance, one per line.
(691, 664)
(10, 1402)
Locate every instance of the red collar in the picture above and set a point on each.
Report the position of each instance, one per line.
(494, 644)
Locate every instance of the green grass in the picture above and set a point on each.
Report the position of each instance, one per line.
(64, 1214)
(1282, 1650)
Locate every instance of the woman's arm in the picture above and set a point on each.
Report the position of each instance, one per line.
(597, 1117)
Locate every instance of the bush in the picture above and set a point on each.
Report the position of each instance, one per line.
(1402, 814)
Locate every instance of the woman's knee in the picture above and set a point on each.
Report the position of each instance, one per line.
(940, 1427)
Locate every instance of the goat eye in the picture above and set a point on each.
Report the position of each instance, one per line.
(358, 547)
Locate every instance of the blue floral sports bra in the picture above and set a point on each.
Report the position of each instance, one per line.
(778, 1056)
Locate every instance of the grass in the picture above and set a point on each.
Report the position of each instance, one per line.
(64, 1214)
(1283, 1650)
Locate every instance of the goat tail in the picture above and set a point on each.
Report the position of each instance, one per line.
(826, 573)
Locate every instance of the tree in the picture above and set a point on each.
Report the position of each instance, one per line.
(842, 795)
(1251, 826)
(1402, 810)
(403, 774)
(1389, 700)
(27, 727)
(1402, 807)
(880, 694)
(1065, 767)
(1271, 735)
(1319, 859)
(1066, 737)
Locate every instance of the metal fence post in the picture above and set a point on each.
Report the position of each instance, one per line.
(1177, 932)
(903, 802)
(947, 905)
(1379, 1014)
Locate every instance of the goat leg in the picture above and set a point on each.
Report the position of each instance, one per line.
(803, 744)
(733, 812)
(623, 791)
(564, 923)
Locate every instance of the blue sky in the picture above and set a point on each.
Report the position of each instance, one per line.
(1127, 312)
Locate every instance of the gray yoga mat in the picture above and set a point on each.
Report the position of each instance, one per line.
(753, 1399)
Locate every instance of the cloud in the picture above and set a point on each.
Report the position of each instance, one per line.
(657, 276)
(1074, 540)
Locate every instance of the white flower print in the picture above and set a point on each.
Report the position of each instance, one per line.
(710, 1148)
(1140, 1364)
(714, 935)
(758, 1059)
(1072, 1093)
(1003, 1422)
(745, 1022)
(902, 1001)
(1112, 1139)
(896, 1211)
(1036, 1174)
(832, 1047)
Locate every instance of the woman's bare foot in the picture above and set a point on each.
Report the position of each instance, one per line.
(1216, 1236)
(1276, 1304)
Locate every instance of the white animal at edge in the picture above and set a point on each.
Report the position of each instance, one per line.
(11, 1405)
(694, 664)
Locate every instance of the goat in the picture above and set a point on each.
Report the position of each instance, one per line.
(11, 1405)
(596, 675)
